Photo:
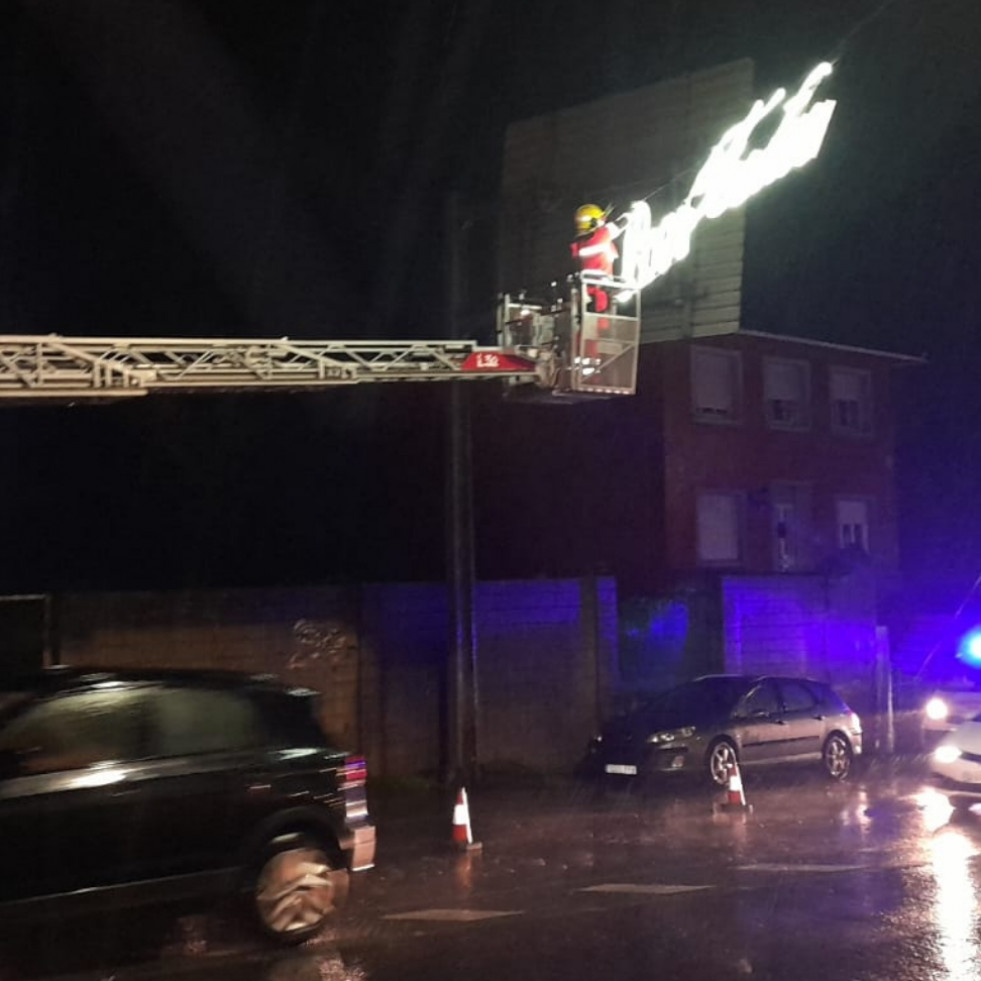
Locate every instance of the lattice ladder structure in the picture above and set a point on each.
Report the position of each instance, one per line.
(53, 367)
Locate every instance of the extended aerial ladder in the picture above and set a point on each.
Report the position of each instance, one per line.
(560, 343)
(556, 345)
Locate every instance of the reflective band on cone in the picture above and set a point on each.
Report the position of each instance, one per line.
(462, 835)
(735, 797)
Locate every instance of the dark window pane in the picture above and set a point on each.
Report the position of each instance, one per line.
(762, 700)
(829, 698)
(697, 701)
(797, 697)
(189, 721)
(292, 719)
(74, 731)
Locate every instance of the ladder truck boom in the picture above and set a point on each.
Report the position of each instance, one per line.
(541, 346)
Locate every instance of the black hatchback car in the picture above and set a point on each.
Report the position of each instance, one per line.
(705, 725)
(119, 787)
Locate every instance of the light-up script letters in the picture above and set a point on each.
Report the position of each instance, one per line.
(729, 178)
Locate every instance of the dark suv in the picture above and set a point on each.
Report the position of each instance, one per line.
(120, 786)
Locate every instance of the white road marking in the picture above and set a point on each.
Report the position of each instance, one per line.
(454, 915)
(651, 889)
(778, 867)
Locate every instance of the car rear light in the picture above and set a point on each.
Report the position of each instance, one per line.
(354, 773)
(351, 780)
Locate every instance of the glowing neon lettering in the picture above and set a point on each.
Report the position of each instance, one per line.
(729, 178)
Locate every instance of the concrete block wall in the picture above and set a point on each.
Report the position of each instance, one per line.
(545, 665)
(306, 637)
(822, 627)
(404, 627)
(377, 654)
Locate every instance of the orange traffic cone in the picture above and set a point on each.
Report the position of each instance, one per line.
(462, 834)
(735, 796)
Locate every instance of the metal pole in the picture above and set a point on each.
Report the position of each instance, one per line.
(462, 688)
(461, 750)
(886, 728)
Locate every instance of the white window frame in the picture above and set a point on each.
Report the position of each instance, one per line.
(738, 502)
(862, 424)
(845, 536)
(734, 363)
(803, 370)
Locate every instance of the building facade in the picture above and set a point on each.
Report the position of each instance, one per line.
(741, 453)
(745, 497)
(778, 454)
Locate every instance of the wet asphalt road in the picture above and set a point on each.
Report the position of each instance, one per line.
(872, 879)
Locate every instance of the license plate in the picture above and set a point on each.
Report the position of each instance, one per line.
(626, 769)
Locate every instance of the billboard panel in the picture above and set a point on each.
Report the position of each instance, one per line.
(644, 144)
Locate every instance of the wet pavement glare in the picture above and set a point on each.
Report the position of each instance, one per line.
(875, 878)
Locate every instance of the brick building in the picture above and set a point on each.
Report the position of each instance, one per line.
(741, 453)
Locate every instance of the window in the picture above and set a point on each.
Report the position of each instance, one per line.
(787, 393)
(853, 523)
(797, 697)
(75, 731)
(716, 384)
(851, 401)
(189, 721)
(791, 525)
(761, 701)
(784, 521)
(719, 530)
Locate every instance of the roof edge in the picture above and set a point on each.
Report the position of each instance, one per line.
(850, 348)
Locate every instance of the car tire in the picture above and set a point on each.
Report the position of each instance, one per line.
(720, 756)
(837, 756)
(296, 888)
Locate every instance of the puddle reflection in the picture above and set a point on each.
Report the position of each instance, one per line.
(935, 809)
(951, 850)
(955, 909)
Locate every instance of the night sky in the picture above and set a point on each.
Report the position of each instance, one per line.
(184, 167)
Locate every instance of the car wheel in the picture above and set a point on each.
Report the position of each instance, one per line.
(837, 756)
(296, 889)
(721, 757)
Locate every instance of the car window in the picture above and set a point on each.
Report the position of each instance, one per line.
(831, 700)
(74, 731)
(695, 702)
(189, 721)
(797, 697)
(762, 700)
(292, 720)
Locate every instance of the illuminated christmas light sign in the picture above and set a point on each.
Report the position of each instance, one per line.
(730, 177)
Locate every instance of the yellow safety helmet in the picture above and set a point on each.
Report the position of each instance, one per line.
(588, 217)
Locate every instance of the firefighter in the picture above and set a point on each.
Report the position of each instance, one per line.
(594, 248)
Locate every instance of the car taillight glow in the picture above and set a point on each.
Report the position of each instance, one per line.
(354, 773)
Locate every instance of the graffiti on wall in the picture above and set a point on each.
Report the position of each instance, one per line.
(328, 642)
